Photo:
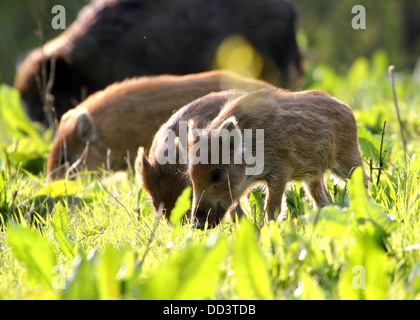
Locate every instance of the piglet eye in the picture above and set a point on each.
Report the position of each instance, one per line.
(217, 175)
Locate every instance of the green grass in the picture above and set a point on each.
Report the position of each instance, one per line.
(98, 239)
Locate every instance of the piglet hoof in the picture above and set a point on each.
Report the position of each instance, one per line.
(195, 224)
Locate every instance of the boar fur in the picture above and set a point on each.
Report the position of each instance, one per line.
(164, 183)
(126, 115)
(305, 133)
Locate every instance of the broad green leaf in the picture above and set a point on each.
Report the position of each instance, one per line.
(34, 252)
(101, 275)
(61, 219)
(364, 208)
(65, 245)
(371, 123)
(365, 275)
(251, 273)
(12, 117)
(370, 145)
(62, 232)
(59, 189)
(81, 284)
(18, 135)
(332, 221)
(192, 274)
(109, 264)
(182, 205)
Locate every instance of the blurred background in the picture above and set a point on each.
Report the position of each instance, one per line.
(325, 33)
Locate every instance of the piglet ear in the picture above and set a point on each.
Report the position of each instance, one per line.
(229, 124)
(141, 165)
(85, 128)
(231, 135)
(141, 160)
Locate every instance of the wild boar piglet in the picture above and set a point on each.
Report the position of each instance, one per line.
(272, 137)
(109, 126)
(165, 177)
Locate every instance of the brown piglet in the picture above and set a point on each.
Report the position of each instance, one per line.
(164, 181)
(270, 137)
(107, 128)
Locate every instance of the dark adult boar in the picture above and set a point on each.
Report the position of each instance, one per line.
(305, 133)
(126, 115)
(116, 39)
